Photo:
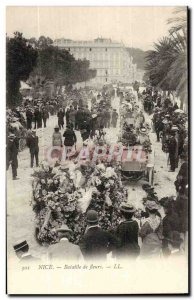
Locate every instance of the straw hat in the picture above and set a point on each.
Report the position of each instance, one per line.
(128, 208)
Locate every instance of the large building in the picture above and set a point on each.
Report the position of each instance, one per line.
(111, 59)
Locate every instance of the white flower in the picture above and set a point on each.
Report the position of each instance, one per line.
(98, 181)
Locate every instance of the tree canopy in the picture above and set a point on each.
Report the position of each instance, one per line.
(166, 66)
(38, 61)
(21, 58)
(59, 65)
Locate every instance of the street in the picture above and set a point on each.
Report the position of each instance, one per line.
(20, 217)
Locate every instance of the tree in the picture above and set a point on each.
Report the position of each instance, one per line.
(60, 66)
(20, 59)
(166, 65)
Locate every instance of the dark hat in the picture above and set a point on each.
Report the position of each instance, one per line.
(20, 245)
(92, 216)
(146, 186)
(128, 208)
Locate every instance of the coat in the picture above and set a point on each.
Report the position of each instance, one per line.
(64, 251)
(151, 237)
(57, 139)
(172, 146)
(97, 243)
(60, 116)
(12, 151)
(171, 223)
(29, 115)
(70, 137)
(45, 114)
(32, 143)
(127, 235)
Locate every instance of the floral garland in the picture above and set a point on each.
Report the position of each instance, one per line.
(57, 200)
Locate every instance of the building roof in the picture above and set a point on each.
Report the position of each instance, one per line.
(99, 42)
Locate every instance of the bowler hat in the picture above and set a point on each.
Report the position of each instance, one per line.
(92, 216)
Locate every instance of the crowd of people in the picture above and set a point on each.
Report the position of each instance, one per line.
(147, 235)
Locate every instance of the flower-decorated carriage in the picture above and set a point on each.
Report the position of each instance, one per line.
(64, 193)
(137, 163)
(137, 156)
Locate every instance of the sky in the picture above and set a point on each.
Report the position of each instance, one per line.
(137, 27)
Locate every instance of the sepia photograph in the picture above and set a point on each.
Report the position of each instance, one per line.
(97, 150)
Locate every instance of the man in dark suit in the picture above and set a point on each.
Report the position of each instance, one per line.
(96, 243)
(32, 143)
(172, 149)
(12, 153)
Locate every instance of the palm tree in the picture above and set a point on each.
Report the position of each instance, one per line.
(179, 69)
(167, 63)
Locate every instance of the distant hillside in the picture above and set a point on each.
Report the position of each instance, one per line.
(138, 57)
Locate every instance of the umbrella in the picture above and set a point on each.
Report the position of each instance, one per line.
(179, 111)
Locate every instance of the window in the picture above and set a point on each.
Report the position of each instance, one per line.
(106, 79)
(105, 49)
(90, 49)
(68, 49)
(106, 72)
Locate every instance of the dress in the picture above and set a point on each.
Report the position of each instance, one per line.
(151, 234)
(127, 235)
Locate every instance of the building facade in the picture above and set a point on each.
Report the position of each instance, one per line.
(111, 59)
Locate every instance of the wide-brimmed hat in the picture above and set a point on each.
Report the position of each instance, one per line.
(143, 130)
(174, 128)
(127, 207)
(92, 216)
(63, 228)
(151, 204)
(12, 136)
(94, 116)
(20, 245)
(14, 119)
